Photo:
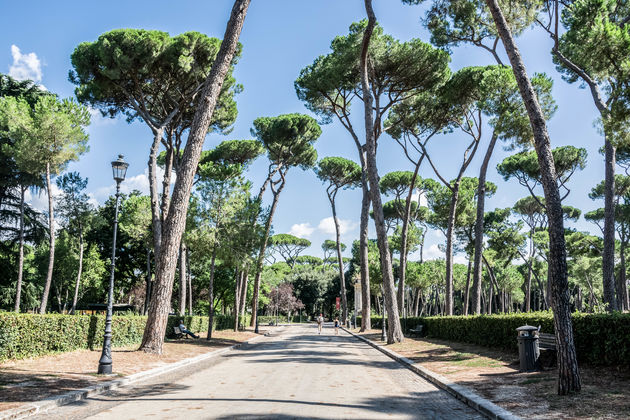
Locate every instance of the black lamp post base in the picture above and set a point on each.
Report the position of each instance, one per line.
(105, 369)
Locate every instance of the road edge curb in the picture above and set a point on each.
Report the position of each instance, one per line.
(462, 393)
(42, 406)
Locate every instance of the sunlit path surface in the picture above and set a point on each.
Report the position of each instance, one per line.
(296, 374)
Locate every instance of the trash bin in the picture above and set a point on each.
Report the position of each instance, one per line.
(528, 350)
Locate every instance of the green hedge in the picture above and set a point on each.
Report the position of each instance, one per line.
(282, 319)
(29, 335)
(600, 339)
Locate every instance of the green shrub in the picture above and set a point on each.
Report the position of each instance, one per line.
(31, 335)
(600, 339)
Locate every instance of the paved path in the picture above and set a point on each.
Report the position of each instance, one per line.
(294, 374)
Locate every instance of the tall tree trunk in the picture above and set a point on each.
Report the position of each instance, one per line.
(568, 372)
(342, 280)
(51, 254)
(156, 218)
(18, 291)
(148, 288)
(450, 233)
(622, 288)
(403, 239)
(366, 310)
(166, 182)
(175, 221)
(245, 279)
(78, 282)
(467, 294)
(608, 256)
(182, 278)
(261, 252)
(211, 292)
(394, 331)
(237, 296)
(481, 202)
(189, 277)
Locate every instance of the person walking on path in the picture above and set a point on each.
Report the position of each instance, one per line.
(320, 323)
(184, 330)
(336, 326)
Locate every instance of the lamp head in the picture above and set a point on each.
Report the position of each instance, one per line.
(119, 168)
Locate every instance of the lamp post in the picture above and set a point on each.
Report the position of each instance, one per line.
(119, 168)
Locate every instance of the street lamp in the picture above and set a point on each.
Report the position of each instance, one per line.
(119, 168)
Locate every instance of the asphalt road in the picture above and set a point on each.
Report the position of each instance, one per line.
(292, 374)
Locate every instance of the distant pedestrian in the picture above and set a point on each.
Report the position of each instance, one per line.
(320, 323)
(336, 326)
(184, 330)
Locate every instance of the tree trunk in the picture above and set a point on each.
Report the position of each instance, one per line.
(175, 221)
(211, 293)
(450, 233)
(622, 288)
(481, 202)
(51, 254)
(237, 296)
(608, 256)
(182, 278)
(78, 282)
(403, 239)
(366, 319)
(245, 279)
(342, 280)
(467, 294)
(568, 372)
(156, 218)
(148, 288)
(394, 331)
(261, 252)
(166, 182)
(189, 277)
(18, 291)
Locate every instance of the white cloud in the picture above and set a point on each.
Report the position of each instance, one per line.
(138, 182)
(327, 225)
(433, 252)
(423, 197)
(39, 201)
(25, 66)
(302, 230)
(96, 118)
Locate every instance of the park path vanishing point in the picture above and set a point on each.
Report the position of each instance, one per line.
(294, 374)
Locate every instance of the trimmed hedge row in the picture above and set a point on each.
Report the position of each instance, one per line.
(600, 339)
(30, 335)
(282, 319)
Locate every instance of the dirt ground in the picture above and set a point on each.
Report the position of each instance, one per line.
(26, 380)
(494, 375)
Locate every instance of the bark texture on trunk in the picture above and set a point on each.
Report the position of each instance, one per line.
(78, 281)
(467, 291)
(211, 293)
(156, 219)
(175, 221)
(481, 202)
(18, 291)
(342, 280)
(148, 281)
(394, 331)
(608, 256)
(366, 320)
(182, 278)
(51, 254)
(237, 296)
(568, 372)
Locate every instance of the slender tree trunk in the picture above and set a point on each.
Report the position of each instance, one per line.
(481, 202)
(18, 291)
(450, 233)
(211, 292)
(244, 281)
(237, 296)
(366, 311)
(467, 294)
(175, 221)
(78, 282)
(182, 278)
(189, 277)
(416, 302)
(156, 218)
(394, 331)
(342, 280)
(261, 252)
(403, 239)
(568, 372)
(166, 182)
(51, 254)
(148, 288)
(608, 256)
(621, 280)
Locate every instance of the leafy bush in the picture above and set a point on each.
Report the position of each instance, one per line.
(30, 335)
(600, 339)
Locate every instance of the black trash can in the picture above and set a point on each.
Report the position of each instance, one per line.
(528, 350)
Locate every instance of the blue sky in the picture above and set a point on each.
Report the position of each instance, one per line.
(279, 38)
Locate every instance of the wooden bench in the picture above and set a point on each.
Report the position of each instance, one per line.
(417, 330)
(178, 333)
(546, 341)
